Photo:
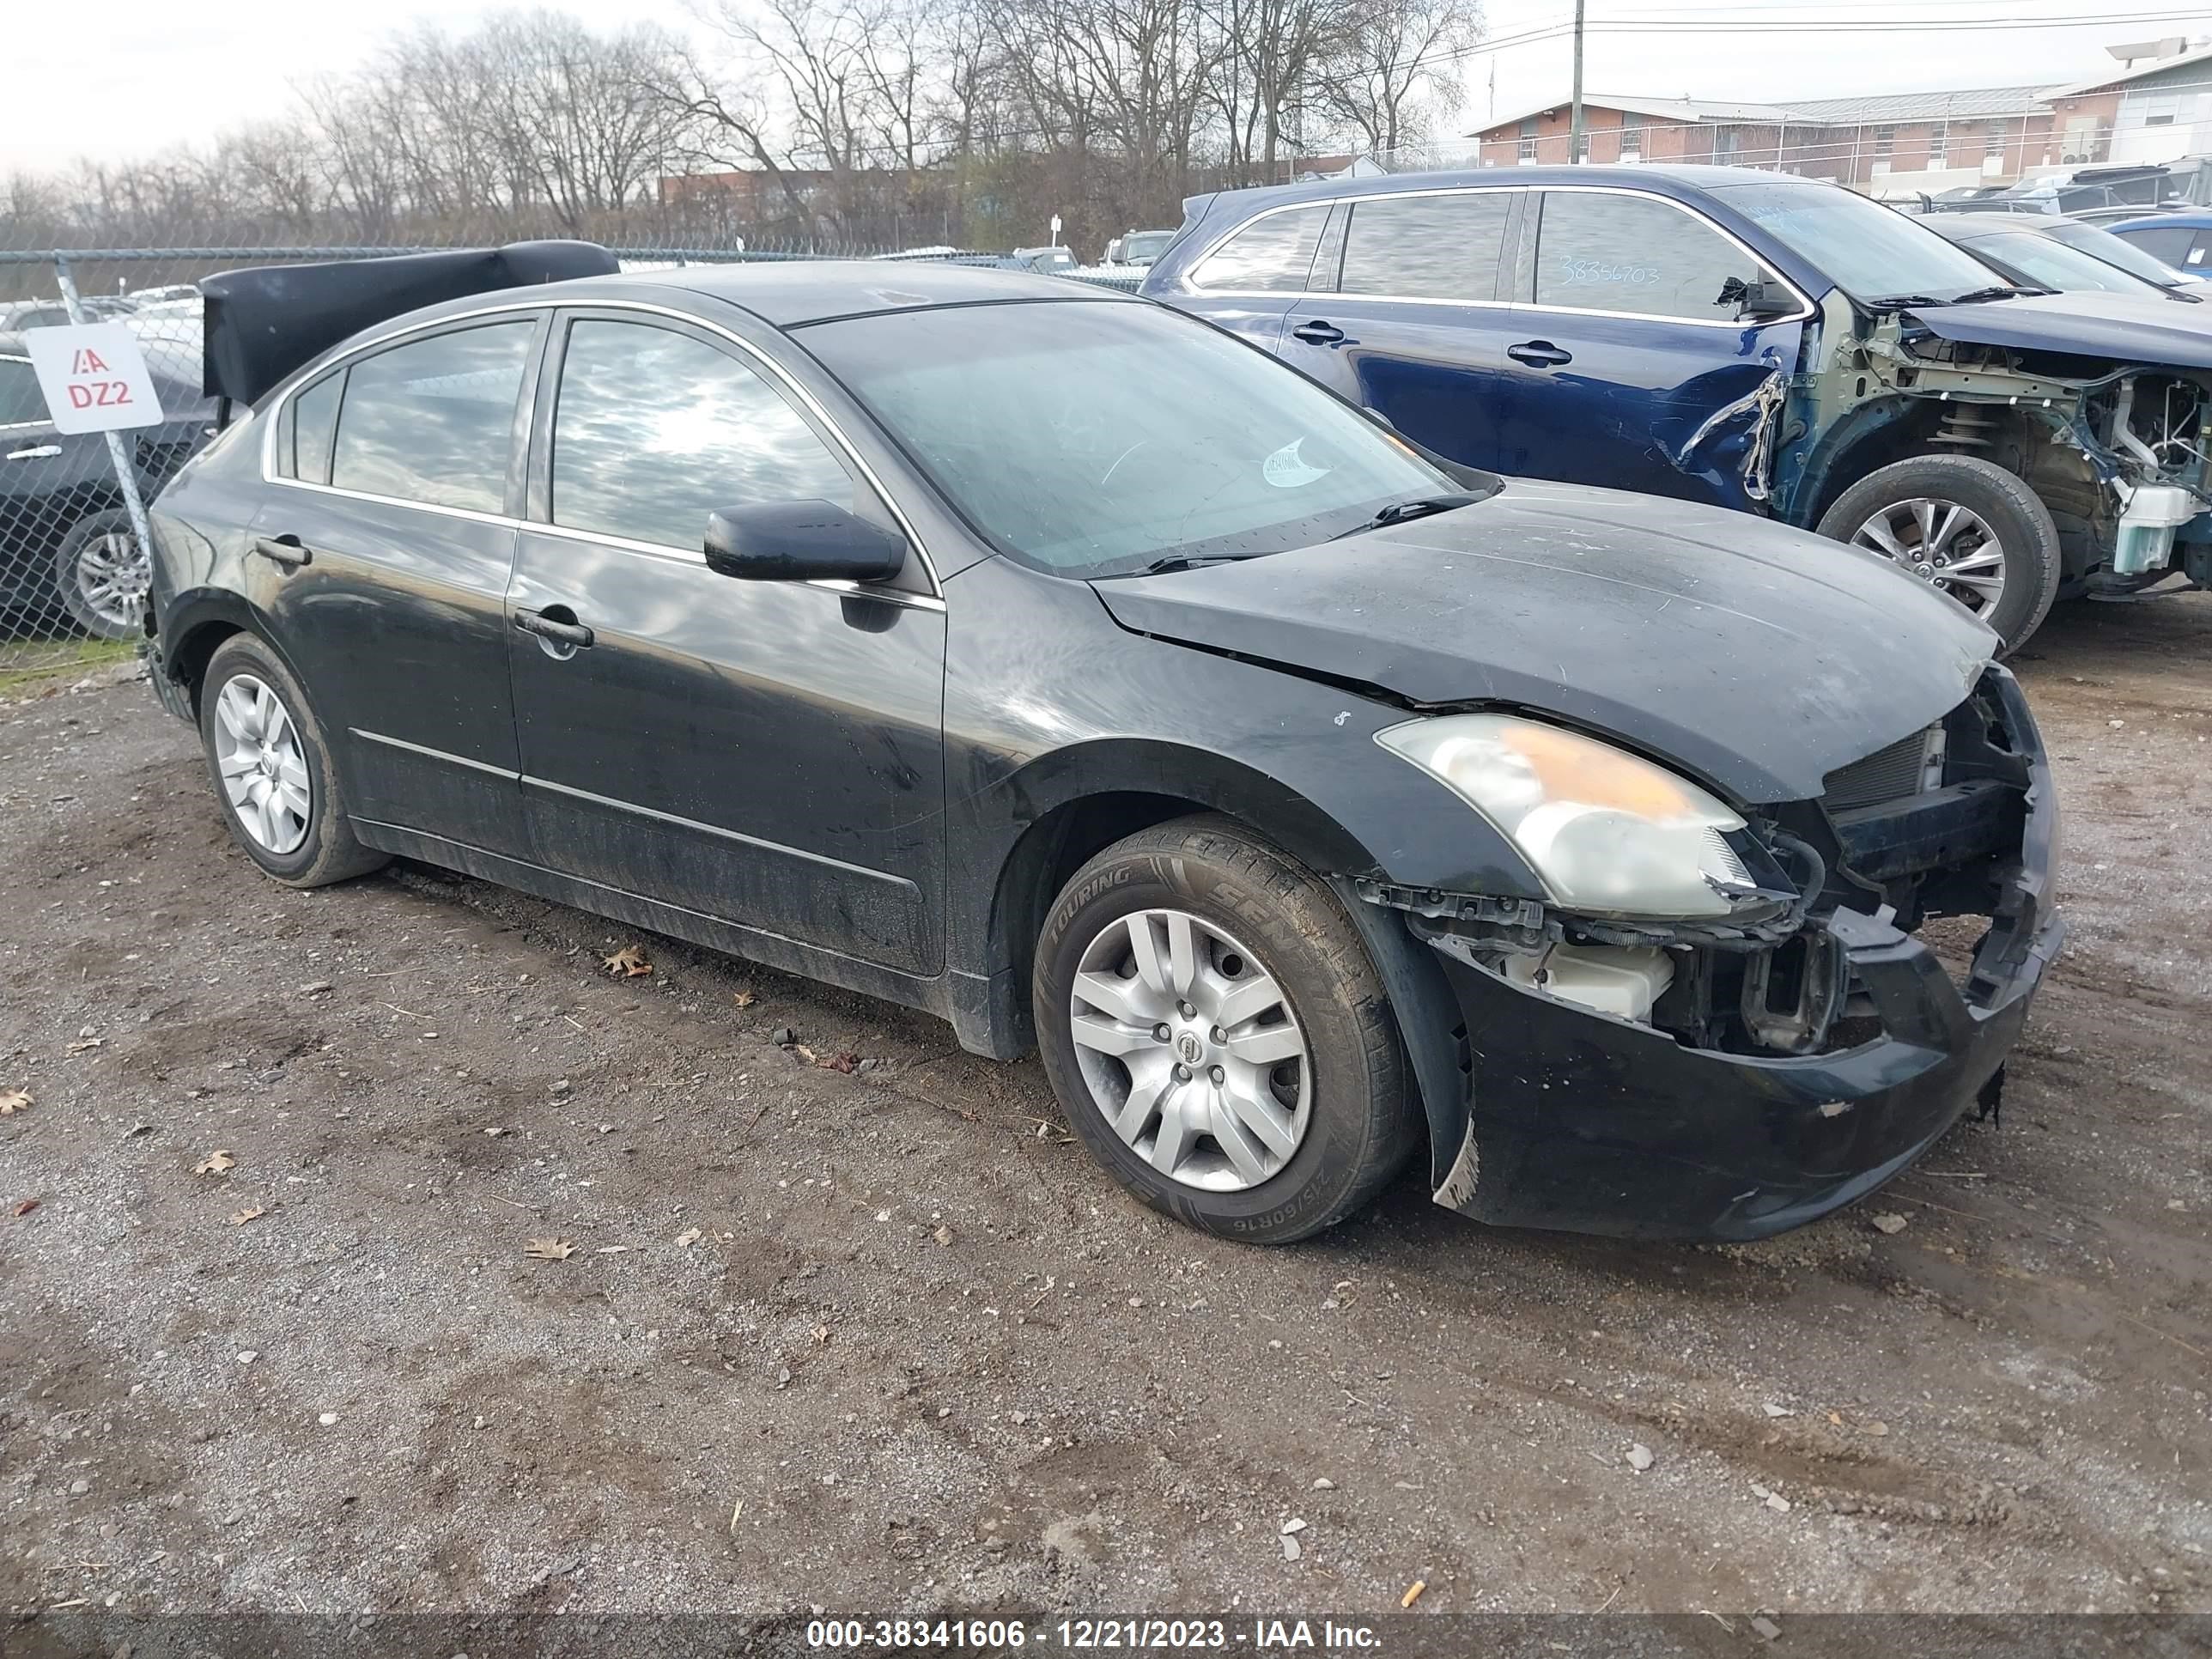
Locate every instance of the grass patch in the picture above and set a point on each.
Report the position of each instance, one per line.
(25, 662)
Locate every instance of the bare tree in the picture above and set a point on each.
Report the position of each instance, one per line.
(1394, 68)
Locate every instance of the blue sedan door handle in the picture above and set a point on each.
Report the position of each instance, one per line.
(1317, 333)
(1539, 354)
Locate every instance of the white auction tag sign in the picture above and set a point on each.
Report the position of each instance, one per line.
(94, 377)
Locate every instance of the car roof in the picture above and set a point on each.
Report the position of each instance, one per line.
(790, 293)
(2183, 219)
(1676, 181)
(1969, 226)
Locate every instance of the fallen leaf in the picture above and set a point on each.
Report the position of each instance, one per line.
(804, 1052)
(1413, 1592)
(1877, 1429)
(250, 1212)
(83, 1043)
(743, 998)
(844, 1063)
(943, 1234)
(550, 1249)
(15, 1101)
(215, 1163)
(1836, 1418)
(1889, 1224)
(27, 1207)
(821, 1336)
(629, 963)
(689, 1236)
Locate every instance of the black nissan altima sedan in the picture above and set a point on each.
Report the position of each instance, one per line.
(1046, 659)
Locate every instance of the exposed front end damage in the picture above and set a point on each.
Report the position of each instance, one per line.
(2120, 451)
(1735, 1077)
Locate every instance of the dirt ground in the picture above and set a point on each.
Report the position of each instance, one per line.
(888, 1341)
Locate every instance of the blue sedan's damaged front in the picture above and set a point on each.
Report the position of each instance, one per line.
(1736, 1077)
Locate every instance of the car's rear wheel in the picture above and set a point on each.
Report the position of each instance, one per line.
(1965, 527)
(272, 771)
(1216, 1034)
(103, 572)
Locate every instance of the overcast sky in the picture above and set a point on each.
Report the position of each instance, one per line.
(128, 77)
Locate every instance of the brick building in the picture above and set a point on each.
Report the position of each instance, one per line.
(1987, 134)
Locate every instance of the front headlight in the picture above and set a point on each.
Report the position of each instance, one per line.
(1607, 831)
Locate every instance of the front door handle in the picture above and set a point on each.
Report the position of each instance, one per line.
(567, 634)
(1317, 333)
(1539, 354)
(287, 552)
(35, 453)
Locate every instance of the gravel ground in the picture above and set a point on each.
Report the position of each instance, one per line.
(888, 1340)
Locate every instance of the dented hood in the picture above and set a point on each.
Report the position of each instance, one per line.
(1756, 656)
(2150, 330)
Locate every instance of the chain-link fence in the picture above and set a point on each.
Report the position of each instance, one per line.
(74, 568)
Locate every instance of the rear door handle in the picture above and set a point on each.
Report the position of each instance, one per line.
(287, 551)
(1317, 333)
(1539, 354)
(575, 635)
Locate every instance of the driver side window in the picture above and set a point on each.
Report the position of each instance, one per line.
(653, 430)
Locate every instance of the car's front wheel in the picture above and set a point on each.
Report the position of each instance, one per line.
(272, 771)
(1965, 527)
(1217, 1034)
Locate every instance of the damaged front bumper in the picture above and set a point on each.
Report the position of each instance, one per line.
(1580, 1121)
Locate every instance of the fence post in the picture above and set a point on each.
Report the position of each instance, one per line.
(126, 476)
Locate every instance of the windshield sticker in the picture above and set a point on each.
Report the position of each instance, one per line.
(1590, 272)
(1288, 470)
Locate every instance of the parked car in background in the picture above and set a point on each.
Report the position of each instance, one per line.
(2016, 246)
(1775, 345)
(68, 556)
(2181, 241)
(1046, 261)
(1021, 652)
(1137, 247)
(2096, 193)
(162, 291)
(2099, 242)
(18, 315)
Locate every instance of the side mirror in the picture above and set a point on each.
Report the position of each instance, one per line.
(799, 542)
(1757, 301)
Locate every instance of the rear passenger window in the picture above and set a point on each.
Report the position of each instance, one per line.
(2170, 246)
(654, 430)
(314, 423)
(432, 422)
(1427, 247)
(21, 404)
(1605, 251)
(1273, 254)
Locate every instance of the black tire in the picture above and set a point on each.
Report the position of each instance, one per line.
(98, 547)
(326, 851)
(1361, 1121)
(2025, 533)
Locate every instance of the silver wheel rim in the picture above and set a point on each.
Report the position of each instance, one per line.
(1190, 1051)
(1947, 545)
(112, 574)
(264, 771)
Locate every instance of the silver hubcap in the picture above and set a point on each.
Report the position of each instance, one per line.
(1190, 1049)
(112, 575)
(264, 771)
(1942, 543)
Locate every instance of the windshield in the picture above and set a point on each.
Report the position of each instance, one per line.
(1869, 250)
(2115, 250)
(1141, 247)
(1093, 438)
(2046, 264)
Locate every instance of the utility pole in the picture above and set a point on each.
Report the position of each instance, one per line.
(1575, 121)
